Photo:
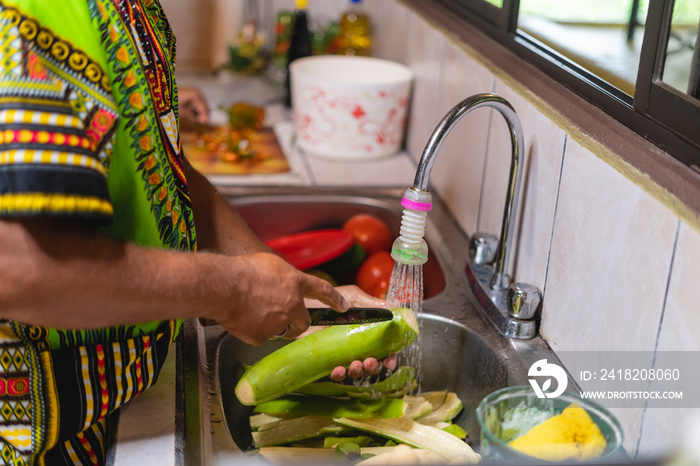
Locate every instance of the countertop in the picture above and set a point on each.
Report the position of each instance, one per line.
(146, 432)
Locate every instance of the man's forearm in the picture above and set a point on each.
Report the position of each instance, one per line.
(58, 274)
(219, 227)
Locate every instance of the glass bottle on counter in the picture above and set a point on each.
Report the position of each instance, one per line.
(278, 55)
(355, 36)
(299, 42)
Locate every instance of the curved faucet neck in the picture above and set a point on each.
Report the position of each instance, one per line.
(500, 280)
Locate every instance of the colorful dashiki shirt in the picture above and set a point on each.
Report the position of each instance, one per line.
(88, 130)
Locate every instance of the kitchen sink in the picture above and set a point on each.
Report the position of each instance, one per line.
(452, 357)
(460, 349)
(274, 216)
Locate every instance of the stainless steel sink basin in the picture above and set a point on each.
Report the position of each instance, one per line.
(453, 357)
(273, 216)
(461, 350)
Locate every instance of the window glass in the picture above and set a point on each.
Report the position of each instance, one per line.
(681, 61)
(638, 60)
(602, 36)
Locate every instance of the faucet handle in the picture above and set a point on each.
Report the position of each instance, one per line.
(483, 248)
(523, 300)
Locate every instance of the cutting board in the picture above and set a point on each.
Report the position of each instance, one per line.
(208, 151)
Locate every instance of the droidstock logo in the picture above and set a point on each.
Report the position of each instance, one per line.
(542, 368)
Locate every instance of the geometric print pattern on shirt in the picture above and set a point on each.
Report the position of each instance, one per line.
(15, 411)
(56, 124)
(57, 151)
(61, 114)
(141, 63)
(69, 423)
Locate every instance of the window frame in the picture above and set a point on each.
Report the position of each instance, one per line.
(658, 112)
(665, 104)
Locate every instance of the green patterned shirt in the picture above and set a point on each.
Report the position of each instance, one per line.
(88, 131)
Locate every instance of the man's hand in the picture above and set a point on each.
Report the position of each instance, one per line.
(268, 298)
(193, 107)
(370, 366)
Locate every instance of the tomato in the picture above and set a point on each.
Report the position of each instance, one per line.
(374, 274)
(381, 288)
(369, 232)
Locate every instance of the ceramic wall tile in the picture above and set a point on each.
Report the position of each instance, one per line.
(425, 46)
(458, 169)
(668, 431)
(326, 10)
(605, 285)
(543, 152)
(631, 420)
(495, 176)
(610, 257)
(191, 23)
(605, 282)
(681, 318)
(664, 428)
(389, 19)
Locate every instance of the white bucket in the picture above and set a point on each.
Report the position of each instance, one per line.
(347, 107)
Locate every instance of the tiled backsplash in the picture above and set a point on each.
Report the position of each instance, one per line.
(618, 269)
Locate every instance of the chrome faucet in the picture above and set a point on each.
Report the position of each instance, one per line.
(511, 307)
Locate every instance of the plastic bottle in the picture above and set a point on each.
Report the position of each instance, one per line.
(355, 37)
(299, 42)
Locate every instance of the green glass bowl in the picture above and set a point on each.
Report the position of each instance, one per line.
(510, 412)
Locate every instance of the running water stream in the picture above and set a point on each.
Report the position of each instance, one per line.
(410, 252)
(406, 290)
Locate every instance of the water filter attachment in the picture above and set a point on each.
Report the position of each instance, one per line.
(410, 248)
